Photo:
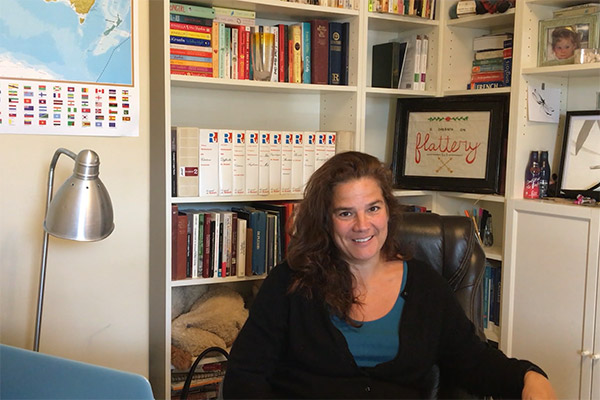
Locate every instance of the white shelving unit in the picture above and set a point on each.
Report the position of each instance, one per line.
(370, 113)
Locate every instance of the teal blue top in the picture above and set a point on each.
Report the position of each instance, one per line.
(376, 341)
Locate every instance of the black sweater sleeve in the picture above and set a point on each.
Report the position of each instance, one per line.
(259, 345)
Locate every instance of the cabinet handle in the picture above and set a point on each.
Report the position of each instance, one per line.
(595, 356)
(584, 353)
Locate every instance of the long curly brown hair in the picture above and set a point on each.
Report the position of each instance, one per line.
(312, 254)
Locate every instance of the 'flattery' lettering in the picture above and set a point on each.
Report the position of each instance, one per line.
(445, 145)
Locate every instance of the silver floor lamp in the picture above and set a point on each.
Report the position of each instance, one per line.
(81, 211)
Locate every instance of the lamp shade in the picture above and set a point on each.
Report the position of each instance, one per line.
(81, 209)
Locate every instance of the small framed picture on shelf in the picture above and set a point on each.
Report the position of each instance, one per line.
(455, 143)
(579, 171)
(560, 37)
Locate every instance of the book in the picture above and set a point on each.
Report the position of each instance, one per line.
(486, 85)
(216, 30)
(495, 60)
(179, 26)
(257, 222)
(387, 61)
(233, 12)
(189, 19)
(345, 56)
(295, 33)
(306, 54)
(490, 42)
(252, 162)
(487, 68)
(281, 210)
(319, 51)
(297, 162)
(227, 243)
(234, 47)
(487, 76)
(275, 162)
(423, 62)
(282, 52)
(344, 141)
(487, 54)
(239, 163)
(225, 145)
(173, 165)
(191, 10)
(174, 214)
(507, 61)
(334, 75)
(207, 270)
(208, 181)
(409, 73)
(182, 247)
(193, 235)
(320, 149)
(189, 41)
(308, 166)
(190, 33)
(275, 72)
(286, 162)
(187, 160)
(242, 228)
(264, 160)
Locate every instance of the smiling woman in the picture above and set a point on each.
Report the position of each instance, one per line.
(349, 315)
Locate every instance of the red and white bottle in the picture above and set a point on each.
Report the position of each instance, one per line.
(532, 177)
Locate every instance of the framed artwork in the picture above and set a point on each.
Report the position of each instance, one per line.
(579, 171)
(559, 38)
(454, 143)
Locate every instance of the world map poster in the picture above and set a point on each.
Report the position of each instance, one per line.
(68, 67)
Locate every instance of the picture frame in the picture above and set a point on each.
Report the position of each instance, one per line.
(558, 38)
(579, 171)
(455, 143)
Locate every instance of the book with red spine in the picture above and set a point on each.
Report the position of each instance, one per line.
(319, 51)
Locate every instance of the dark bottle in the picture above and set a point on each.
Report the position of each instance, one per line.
(544, 174)
(532, 177)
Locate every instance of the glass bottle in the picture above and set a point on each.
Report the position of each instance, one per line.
(544, 174)
(532, 177)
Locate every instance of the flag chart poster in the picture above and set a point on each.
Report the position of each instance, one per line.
(69, 67)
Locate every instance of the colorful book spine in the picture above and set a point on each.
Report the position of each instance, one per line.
(507, 61)
(189, 27)
(233, 12)
(319, 51)
(189, 34)
(191, 10)
(187, 19)
(306, 45)
(334, 76)
(487, 76)
(487, 85)
(215, 48)
(295, 31)
(189, 41)
(345, 56)
(487, 68)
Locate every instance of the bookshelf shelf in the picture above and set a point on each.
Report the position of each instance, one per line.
(233, 199)
(283, 10)
(476, 92)
(394, 23)
(591, 70)
(255, 86)
(209, 281)
(495, 198)
(383, 92)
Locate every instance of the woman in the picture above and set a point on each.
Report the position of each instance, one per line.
(347, 316)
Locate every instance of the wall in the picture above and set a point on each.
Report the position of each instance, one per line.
(96, 302)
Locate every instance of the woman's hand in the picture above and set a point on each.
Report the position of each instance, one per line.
(537, 386)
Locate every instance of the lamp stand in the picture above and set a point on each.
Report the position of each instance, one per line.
(40, 302)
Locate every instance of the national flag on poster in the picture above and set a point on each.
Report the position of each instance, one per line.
(125, 112)
(58, 102)
(12, 115)
(28, 108)
(99, 124)
(12, 107)
(56, 123)
(125, 105)
(85, 97)
(29, 116)
(42, 101)
(13, 99)
(57, 109)
(41, 87)
(98, 111)
(98, 104)
(99, 90)
(57, 88)
(71, 116)
(56, 116)
(84, 117)
(85, 104)
(112, 125)
(27, 101)
(98, 97)
(27, 87)
(84, 90)
(113, 112)
(71, 123)
(70, 96)
(13, 86)
(70, 89)
(125, 92)
(112, 98)
(42, 108)
(28, 94)
(71, 103)
(125, 98)
(85, 110)
(85, 124)
(112, 104)
(27, 122)
(42, 94)
(42, 122)
(111, 118)
(99, 117)
(44, 116)
(56, 95)
(126, 118)
(112, 91)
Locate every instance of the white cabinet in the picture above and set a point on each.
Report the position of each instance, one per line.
(551, 299)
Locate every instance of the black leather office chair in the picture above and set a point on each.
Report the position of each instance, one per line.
(448, 243)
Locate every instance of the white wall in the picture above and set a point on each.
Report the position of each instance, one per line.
(96, 302)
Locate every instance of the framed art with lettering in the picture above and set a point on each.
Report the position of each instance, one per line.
(454, 143)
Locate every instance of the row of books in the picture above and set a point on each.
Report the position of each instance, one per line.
(223, 242)
(492, 61)
(482, 220)
(226, 162)
(416, 8)
(401, 65)
(217, 42)
(492, 284)
(347, 4)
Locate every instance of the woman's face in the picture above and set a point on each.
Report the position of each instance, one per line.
(360, 220)
(564, 48)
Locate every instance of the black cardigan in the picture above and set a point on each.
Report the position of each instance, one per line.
(289, 348)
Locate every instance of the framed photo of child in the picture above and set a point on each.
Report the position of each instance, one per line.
(560, 37)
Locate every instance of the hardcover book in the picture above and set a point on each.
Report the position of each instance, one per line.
(209, 162)
(252, 162)
(225, 162)
(187, 160)
(306, 47)
(295, 33)
(264, 162)
(345, 53)
(188, 19)
(275, 162)
(191, 10)
(297, 163)
(334, 75)
(239, 163)
(319, 51)
(320, 149)
(309, 156)
(286, 162)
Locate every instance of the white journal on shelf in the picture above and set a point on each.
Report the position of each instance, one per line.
(225, 162)
(286, 162)
(239, 163)
(209, 162)
(251, 162)
(275, 163)
(297, 162)
(264, 160)
(309, 156)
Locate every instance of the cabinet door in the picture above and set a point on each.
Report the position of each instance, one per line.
(551, 318)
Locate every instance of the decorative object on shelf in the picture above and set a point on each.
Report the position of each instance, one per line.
(453, 143)
(531, 189)
(465, 8)
(579, 172)
(543, 102)
(544, 174)
(560, 37)
(263, 50)
(387, 63)
(586, 56)
(80, 211)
